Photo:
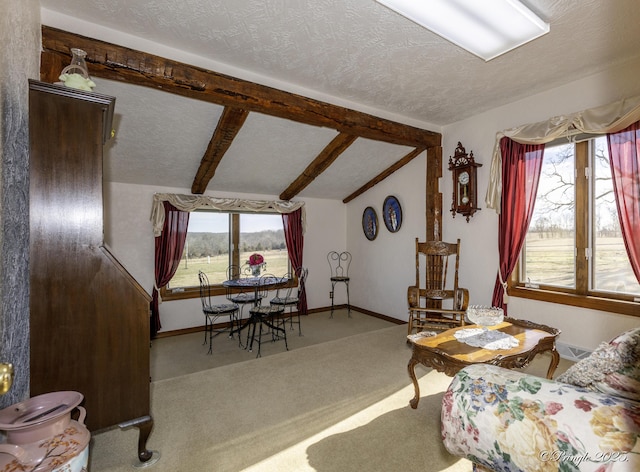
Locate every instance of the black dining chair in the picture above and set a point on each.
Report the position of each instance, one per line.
(286, 297)
(245, 295)
(213, 312)
(266, 318)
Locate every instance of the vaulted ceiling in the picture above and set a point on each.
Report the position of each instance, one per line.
(303, 98)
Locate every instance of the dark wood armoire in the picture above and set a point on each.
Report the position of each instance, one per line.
(89, 316)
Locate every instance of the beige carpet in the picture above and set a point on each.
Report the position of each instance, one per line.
(340, 405)
(178, 355)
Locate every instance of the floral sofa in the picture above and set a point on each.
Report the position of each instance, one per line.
(588, 419)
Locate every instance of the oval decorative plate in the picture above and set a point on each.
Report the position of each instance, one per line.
(392, 213)
(370, 223)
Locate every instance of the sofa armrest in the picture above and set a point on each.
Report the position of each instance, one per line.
(507, 420)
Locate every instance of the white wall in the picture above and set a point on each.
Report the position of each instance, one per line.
(580, 327)
(382, 269)
(129, 234)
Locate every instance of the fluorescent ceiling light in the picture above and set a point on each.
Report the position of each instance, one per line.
(486, 28)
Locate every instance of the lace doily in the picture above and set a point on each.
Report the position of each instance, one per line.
(418, 336)
(491, 340)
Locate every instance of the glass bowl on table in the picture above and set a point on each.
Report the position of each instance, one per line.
(485, 316)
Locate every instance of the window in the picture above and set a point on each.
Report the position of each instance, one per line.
(574, 245)
(548, 253)
(216, 240)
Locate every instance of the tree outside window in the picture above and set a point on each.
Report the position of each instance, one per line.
(574, 243)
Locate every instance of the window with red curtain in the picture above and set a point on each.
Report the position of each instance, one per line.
(573, 252)
(576, 251)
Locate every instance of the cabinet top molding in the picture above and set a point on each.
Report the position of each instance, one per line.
(107, 101)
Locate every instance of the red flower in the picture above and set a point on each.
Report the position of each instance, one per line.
(255, 259)
(583, 404)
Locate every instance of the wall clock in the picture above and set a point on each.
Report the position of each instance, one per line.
(392, 213)
(465, 182)
(370, 223)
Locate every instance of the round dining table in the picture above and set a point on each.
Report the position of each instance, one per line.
(256, 283)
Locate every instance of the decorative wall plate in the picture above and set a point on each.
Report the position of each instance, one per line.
(392, 213)
(370, 223)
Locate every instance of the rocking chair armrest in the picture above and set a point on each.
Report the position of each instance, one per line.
(413, 296)
(461, 299)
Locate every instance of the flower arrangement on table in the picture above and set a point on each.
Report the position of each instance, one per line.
(256, 263)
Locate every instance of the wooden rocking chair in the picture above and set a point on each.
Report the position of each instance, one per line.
(426, 302)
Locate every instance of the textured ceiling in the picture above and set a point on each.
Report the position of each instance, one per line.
(354, 52)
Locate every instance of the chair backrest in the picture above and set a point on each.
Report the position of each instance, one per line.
(233, 273)
(339, 263)
(237, 272)
(205, 290)
(301, 273)
(285, 291)
(266, 283)
(437, 255)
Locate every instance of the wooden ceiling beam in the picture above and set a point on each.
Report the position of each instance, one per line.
(384, 174)
(228, 127)
(329, 154)
(115, 62)
(434, 196)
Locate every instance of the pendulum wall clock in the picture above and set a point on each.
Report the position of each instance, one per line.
(465, 182)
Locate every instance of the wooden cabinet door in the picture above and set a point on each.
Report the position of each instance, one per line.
(89, 318)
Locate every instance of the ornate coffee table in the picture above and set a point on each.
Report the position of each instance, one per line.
(445, 353)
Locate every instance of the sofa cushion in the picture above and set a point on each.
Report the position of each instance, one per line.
(613, 368)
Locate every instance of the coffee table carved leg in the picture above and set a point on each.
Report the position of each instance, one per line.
(412, 373)
(555, 360)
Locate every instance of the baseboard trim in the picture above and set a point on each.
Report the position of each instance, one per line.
(364, 311)
(195, 329)
(178, 332)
